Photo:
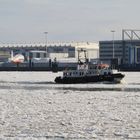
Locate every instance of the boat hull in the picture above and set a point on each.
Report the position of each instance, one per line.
(90, 79)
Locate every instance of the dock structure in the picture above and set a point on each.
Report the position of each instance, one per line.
(37, 55)
(58, 50)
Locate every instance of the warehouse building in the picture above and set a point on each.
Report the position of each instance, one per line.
(52, 50)
(123, 53)
(126, 51)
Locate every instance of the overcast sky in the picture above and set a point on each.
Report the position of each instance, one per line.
(25, 21)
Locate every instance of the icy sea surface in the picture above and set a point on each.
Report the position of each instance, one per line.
(33, 107)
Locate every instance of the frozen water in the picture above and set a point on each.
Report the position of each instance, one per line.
(33, 107)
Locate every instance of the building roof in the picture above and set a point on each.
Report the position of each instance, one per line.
(52, 44)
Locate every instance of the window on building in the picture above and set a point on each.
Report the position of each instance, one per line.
(58, 50)
(138, 55)
(37, 55)
(30, 55)
(71, 54)
(44, 54)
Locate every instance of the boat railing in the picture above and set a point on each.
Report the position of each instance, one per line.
(80, 72)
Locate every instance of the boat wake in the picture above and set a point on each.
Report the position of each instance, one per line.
(49, 85)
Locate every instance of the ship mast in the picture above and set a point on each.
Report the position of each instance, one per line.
(82, 60)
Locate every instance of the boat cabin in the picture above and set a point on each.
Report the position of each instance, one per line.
(88, 70)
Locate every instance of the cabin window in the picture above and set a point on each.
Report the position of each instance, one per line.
(105, 73)
(99, 67)
(70, 73)
(81, 73)
(65, 74)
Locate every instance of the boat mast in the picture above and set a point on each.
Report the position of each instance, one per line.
(82, 60)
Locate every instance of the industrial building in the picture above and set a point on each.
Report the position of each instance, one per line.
(33, 50)
(51, 50)
(124, 53)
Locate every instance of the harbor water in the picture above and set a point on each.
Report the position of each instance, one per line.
(33, 107)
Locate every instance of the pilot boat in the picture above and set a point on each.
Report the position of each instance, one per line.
(89, 73)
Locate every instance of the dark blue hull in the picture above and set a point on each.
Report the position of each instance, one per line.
(90, 79)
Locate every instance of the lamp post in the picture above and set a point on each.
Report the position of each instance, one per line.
(113, 31)
(46, 33)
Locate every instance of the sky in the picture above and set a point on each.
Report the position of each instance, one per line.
(25, 21)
